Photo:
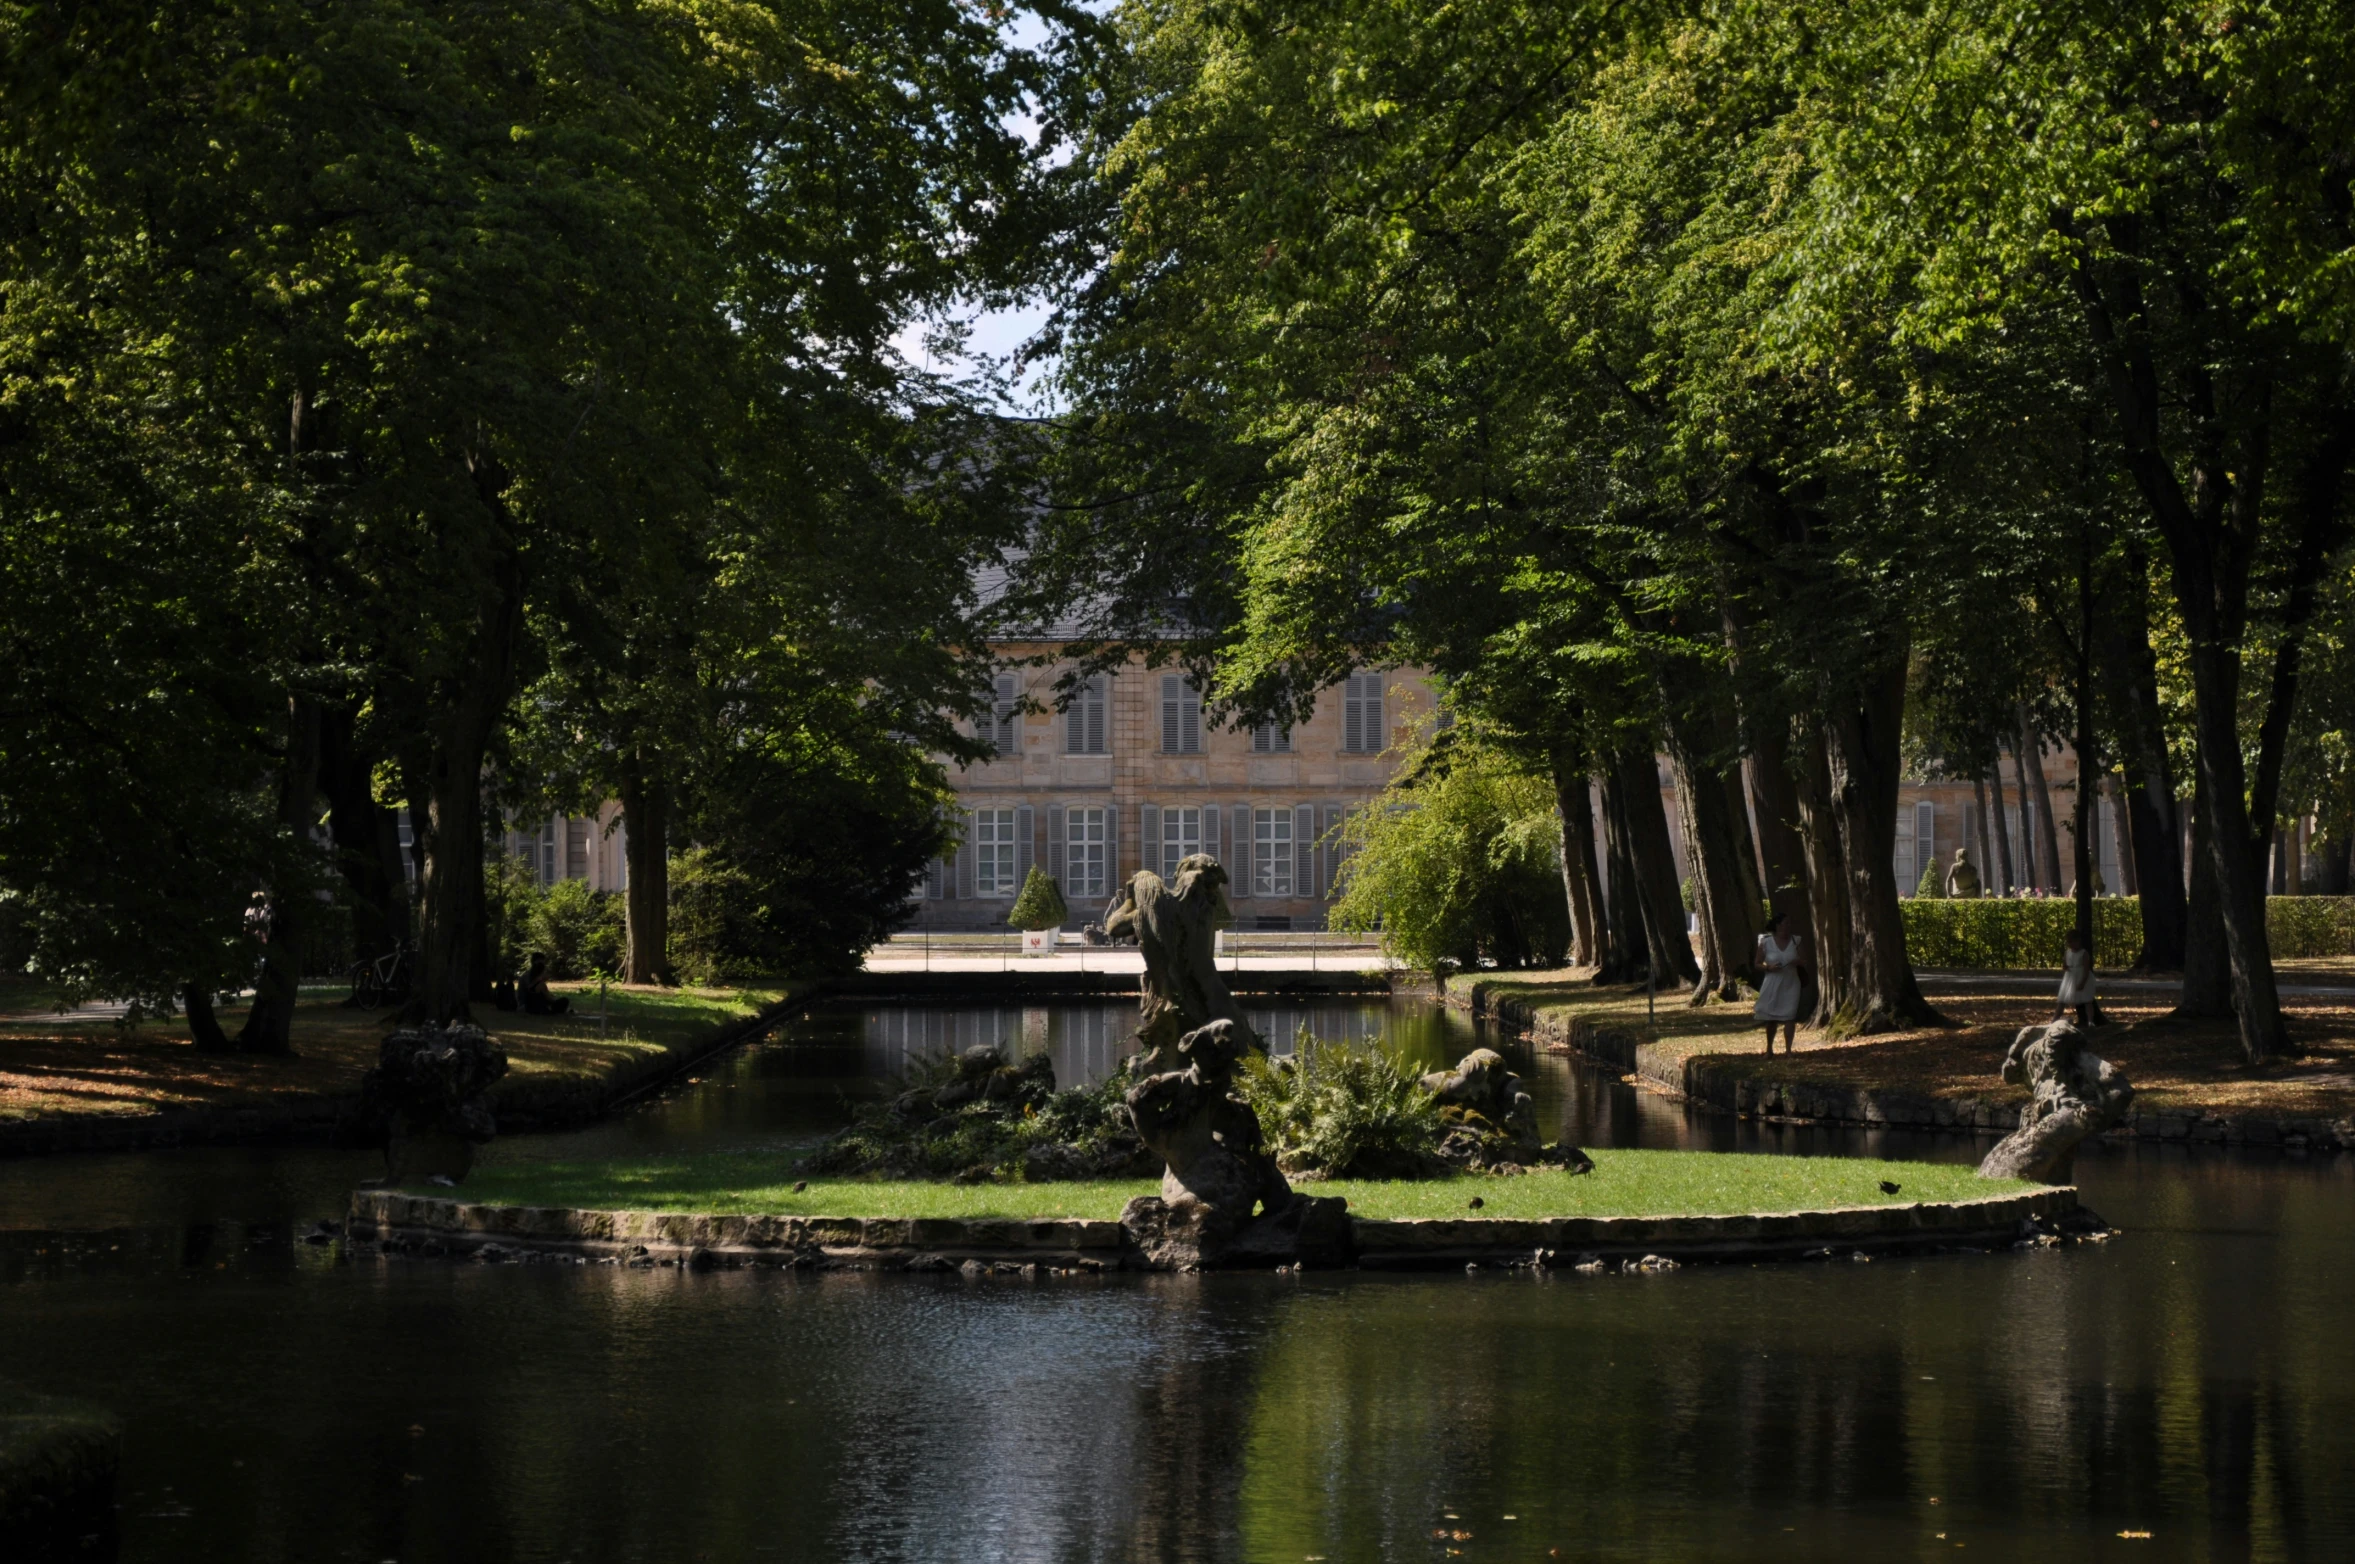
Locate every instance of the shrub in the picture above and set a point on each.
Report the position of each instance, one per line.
(974, 1114)
(511, 900)
(718, 933)
(1997, 932)
(1040, 906)
(1933, 884)
(1459, 860)
(1344, 1112)
(581, 930)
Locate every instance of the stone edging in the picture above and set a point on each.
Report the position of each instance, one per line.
(403, 1223)
(1703, 1080)
(521, 1104)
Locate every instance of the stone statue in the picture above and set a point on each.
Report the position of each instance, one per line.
(1223, 1200)
(1962, 881)
(428, 1096)
(1175, 926)
(2076, 1095)
(1482, 1095)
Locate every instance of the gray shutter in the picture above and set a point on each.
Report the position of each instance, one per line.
(1192, 699)
(1055, 834)
(1099, 700)
(932, 873)
(1210, 813)
(1112, 847)
(1377, 724)
(1149, 834)
(1304, 849)
(1239, 868)
(964, 880)
(1352, 717)
(1025, 844)
(1075, 727)
(1171, 731)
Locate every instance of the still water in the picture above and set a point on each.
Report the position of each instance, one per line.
(2194, 1379)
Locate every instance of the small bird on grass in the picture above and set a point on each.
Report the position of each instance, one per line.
(1888, 1187)
(1477, 1202)
(801, 1186)
(1578, 1161)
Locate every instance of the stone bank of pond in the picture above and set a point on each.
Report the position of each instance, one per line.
(2194, 1379)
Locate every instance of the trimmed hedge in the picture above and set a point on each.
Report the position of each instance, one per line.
(1992, 933)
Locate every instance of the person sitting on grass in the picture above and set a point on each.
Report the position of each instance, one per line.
(1783, 956)
(536, 999)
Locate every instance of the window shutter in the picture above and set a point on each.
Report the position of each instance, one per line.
(1304, 850)
(1210, 814)
(1377, 725)
(1925, 836)
(1025, 844)
(1353, 717)
(1075, 727)
(965, 865)
(1099, 717)
(1172, 702)
(932, 877)
(1149, 834)
(1325, 852)
(1191, 706)
(1239, 880)
(1007, 730)
(1055, 843)
(1111, 847)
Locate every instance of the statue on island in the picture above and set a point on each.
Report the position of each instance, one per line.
(1223, 1200)
(1490, 1117)
(1175, 926)
(429, 1097)
(2076, 1094)
(1962, 881)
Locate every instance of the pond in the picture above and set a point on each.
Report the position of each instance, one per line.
(2193, 1380)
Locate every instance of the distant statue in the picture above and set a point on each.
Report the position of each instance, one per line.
(2076, 1094)
(1223, 1200)
(1962, 881)
(1176, 927)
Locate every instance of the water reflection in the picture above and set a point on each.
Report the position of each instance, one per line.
(2194, 1379)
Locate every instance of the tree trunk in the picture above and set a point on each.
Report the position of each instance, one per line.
(1576, 812)
(1988, 884)
(2332, 863)
(367, 841)
(1827, 879)
(1712, 958)
(2031, 871)
(1728, 911)
(2240, 894)
(2003, 828)
(1735, 802)
(2121, 835)
(2155, 819)
(269, 1025)
(1780, 842)
(1862, 748)
(450, 925)
(1628, 949)
(645, 820)
(2207, 964)
(2048, 840)
(1655, 870)
(204, 1028)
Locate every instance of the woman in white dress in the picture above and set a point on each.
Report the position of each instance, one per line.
(1782, 955)
(2076, 981)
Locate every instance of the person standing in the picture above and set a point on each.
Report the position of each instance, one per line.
(1782, 956)
(2076, 981)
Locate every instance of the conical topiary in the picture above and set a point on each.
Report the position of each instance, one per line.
(1040, 906)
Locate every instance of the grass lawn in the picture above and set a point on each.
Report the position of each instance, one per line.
(70, 1066)
(1624, 1183)
(2174, 1065)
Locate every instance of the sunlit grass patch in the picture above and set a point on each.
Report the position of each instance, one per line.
(1624, 1183)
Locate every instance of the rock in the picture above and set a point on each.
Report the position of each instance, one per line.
(2076, 1094)
(1492, 1120)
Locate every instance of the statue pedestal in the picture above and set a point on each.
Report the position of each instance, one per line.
(1187, 1234)
(1039, 942)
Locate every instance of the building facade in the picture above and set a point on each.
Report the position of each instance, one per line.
(1132, 775)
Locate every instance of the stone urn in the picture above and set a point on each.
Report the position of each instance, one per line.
(1039, 942)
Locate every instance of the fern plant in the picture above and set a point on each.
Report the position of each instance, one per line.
(1341, 1112)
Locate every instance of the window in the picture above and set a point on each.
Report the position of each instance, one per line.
(1181, 836)
(1087, 839)
(1917, 846)
(1362, 729)
(993, 852)
(1084, 728)
(1271, 852)
(1271, 738)
(1181, 716)
(1006, 714)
